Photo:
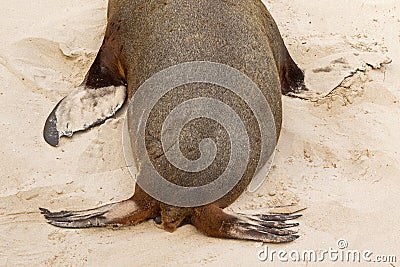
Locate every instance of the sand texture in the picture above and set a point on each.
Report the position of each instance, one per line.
(338, 154)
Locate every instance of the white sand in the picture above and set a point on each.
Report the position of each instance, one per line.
(338, 156)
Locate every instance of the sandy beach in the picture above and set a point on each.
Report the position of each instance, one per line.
(338, 154)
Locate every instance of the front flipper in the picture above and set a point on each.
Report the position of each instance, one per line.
(98, 98)
(213, 221)
(83, 108)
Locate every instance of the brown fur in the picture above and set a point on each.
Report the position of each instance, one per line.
(144, 37)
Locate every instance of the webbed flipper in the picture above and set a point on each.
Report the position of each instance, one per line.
(99, 97)
(290, 75)
(83, 108)
(271, 228)
(139, 208)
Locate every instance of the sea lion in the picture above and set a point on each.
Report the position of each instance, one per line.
(217, 39)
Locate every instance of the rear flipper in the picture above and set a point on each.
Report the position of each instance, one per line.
(213, 221)
(128, 212)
